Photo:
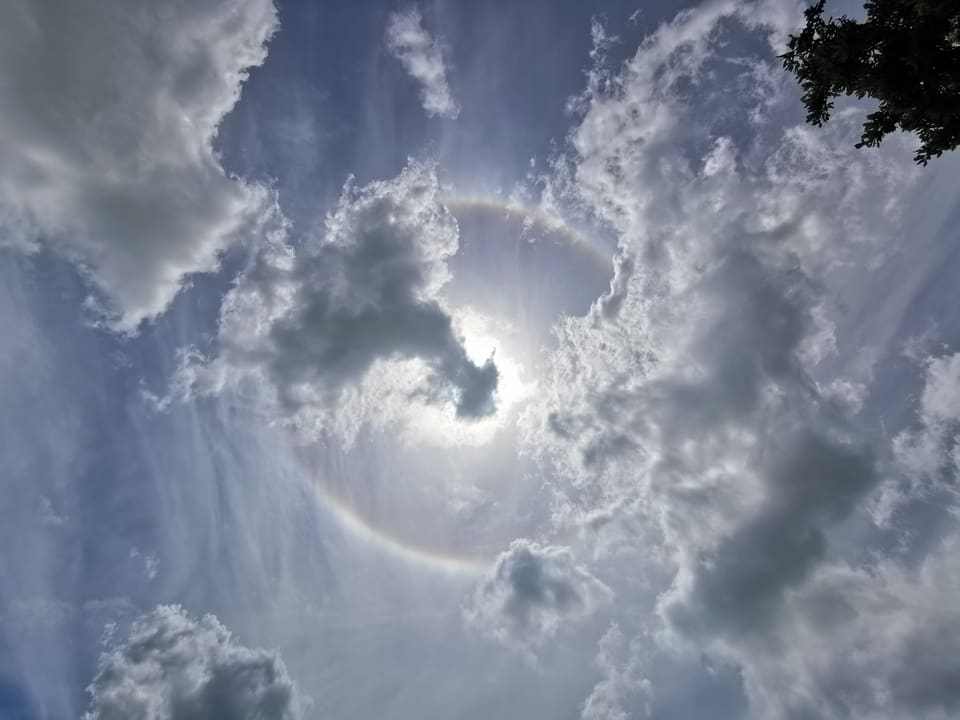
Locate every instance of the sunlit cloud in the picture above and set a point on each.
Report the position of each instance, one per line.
(108, 142)
(311, 323)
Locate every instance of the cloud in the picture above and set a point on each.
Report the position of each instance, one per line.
(689, 386)
(873, 643)
(623, 683)
(689, 396)
(878, 641)
(531, 592)
(109, 113)
(314, 324)
(930, 453)
(422, 57)
(175, 667)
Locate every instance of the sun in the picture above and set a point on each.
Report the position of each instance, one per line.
(482, 341)
(483, 338)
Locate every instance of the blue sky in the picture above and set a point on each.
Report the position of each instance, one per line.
(458, 360)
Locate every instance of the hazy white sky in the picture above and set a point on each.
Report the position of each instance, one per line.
(465, 360)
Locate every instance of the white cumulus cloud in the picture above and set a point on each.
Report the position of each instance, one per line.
(109, 111)
(175, 667)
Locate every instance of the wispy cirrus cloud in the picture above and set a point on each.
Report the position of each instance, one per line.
(422, 57)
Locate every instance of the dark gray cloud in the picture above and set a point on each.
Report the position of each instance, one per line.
(175, 667)
(313, 322)
(737, 586)
(531, 592)
(810, 467)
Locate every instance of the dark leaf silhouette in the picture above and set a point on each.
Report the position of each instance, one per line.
(906, 55)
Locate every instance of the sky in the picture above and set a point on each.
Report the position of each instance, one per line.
(466, 360)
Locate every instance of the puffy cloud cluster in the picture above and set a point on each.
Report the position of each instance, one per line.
(175, 667)
(931, 452)
(531, 592)
(422, 57)
(315, 323)
(688, 398)
(108, 112)
(623, 683)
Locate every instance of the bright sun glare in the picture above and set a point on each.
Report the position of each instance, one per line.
(483, 338)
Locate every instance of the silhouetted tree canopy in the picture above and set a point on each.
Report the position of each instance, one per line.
(906, 55)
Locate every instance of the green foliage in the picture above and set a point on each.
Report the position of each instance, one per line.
(906, 55)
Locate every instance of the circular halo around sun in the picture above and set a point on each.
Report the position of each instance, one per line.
(507, 291)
